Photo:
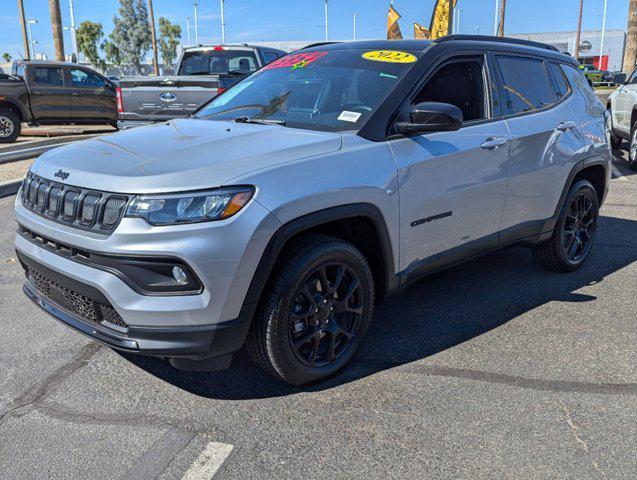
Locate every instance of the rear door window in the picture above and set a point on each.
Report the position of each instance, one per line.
(206, 62)
(48, 76)
(525, 85)
(269, 57)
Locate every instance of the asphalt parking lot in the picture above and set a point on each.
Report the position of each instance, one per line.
(495, 369)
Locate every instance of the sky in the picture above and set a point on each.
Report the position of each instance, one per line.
(263, 20)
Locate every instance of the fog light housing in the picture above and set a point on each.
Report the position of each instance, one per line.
(180, 276)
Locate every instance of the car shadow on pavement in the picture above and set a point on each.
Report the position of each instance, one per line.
(435, 314)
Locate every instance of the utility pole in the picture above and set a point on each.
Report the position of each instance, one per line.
(601, 46)
(456, 27)
(503, 8)
(196, 23)
(153, 36)
(326, 35)
(496, 16)
(579, 30)
(630, 55)
(223, 25)
(73, 31)
(56, 25)
(188, 29)
(25, 37)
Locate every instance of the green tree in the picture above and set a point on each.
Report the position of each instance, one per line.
(6, 57)
(169, 36)
(131, 33)
(88, 35)
(112, 53)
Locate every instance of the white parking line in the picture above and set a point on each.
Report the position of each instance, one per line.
(208, 461)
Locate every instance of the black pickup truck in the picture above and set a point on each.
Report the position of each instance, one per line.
(203, 72)
(38, 92)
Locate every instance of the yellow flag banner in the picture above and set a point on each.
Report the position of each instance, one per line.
(420, 32)
(442, 18)
(393, 30)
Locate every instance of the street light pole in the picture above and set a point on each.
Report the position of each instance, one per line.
(326, 35)
(73, 33)
(31, 41)
(495, 21)
(223, 24)
(601, 46)
(457, 23)
(354, 31)
(25, 37)
(196, 23)
(188, 29)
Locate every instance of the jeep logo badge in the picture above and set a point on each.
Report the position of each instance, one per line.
(168, 97)
(61, 174)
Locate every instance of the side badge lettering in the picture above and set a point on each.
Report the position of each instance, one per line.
(415, 223)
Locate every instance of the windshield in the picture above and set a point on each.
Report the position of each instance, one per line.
(218, 61)
(331, 90)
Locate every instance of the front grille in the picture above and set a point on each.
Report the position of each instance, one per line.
(73, 206)
(80, 305)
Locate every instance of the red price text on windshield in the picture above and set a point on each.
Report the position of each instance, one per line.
(295, 60)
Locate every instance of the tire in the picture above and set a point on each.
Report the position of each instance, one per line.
(614, 140)
(632, 149)
(9, 126)
(574, 233)
(329, 324)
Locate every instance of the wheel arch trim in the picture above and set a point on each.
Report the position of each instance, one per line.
(315, 219)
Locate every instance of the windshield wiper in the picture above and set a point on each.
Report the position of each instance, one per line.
(238, 72)
(260, 121)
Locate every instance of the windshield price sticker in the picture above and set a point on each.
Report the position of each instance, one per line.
(296, 60)
(389, 56)
(347, 116)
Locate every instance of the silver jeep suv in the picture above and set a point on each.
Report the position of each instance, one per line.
(287, 206)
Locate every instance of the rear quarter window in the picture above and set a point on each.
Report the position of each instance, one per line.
(525, 85)
(48, 76)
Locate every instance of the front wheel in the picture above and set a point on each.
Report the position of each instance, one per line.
(315, 311)
(9, 126)
(574, 234)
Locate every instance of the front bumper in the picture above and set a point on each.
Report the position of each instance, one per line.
(192, 343)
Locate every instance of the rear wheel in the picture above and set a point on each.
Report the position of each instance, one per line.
(574, 234)
(9, 126)
(632, 152)
(315, 312)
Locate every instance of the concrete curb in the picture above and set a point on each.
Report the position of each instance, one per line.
(37, 148)
(14, 147)
(10, 187)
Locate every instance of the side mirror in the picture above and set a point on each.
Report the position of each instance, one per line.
(619, 79)
(431, 117)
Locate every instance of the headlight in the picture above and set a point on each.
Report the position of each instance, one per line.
(190, 207)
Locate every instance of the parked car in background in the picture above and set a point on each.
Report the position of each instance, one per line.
(39, 93)
(622, 124)
(202, 73)
(596, 76)
(278, 214)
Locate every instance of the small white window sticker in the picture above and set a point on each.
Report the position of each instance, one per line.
(346, 116)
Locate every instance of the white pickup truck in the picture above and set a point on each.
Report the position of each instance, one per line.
(622, 105)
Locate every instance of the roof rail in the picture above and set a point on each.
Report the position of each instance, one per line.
(318, 44)
(488, 38)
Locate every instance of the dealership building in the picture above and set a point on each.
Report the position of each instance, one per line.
(590, 43)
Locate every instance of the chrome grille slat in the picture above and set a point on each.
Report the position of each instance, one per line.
(77, 207)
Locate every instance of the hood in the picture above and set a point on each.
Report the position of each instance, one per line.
(185, 154)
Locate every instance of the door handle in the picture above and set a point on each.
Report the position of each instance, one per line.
(492, 143)
(566, 126)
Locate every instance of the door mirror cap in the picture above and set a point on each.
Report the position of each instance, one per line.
(431, 117)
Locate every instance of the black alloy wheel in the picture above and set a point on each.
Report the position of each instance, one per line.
(325, 314)
(579, 227)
